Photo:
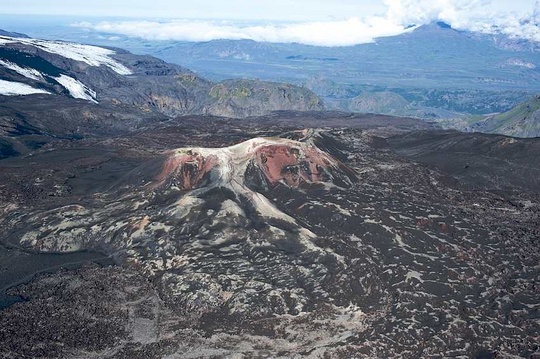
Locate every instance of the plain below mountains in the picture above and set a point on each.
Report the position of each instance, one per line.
(307, 236)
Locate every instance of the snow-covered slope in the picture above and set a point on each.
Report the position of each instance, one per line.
(32, 70)
(10, 88)
(96, 74)
(25, 71)
(76, 88)
(92, 55)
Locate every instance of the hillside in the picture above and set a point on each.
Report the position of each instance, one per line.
(244, 98)
(57, 90)
(471, 74)
(521, 121)
(117, 78)
(476, 159)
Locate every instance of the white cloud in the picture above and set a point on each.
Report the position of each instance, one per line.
(328, 33)
(475, 15)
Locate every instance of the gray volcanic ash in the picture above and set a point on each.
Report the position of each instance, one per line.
(311, 243)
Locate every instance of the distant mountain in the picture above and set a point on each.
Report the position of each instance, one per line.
(378, 102)
(434, 66)
(12, 34)
(521, 121)
(438, 70)
(115, 77)
(81, 90)
(243, 98)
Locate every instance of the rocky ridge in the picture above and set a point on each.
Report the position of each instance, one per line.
(521, 121)
(116, 77)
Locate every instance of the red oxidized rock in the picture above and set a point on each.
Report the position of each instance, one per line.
(280, 161)
(291, 164)
(187, 170)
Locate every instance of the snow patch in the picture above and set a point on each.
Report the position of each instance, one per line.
(10, 88)
(25, 71)
(92, 55)
(76, 88)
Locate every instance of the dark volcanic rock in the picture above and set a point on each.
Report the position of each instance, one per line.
(329, 245)
(118, 78)
(294, 234)
(487, 161)
(90, 310)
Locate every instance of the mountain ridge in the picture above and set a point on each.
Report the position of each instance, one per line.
(521, 121)
(144, 82)
(436, 68)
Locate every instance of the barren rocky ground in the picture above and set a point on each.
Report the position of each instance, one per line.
(318, 235)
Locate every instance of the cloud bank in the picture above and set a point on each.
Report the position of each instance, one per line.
(330, 33)
(400, 16)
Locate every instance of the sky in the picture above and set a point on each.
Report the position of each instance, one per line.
(314, 22)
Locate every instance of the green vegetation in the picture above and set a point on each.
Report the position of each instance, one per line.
(241, 92)
(521, 121)
(222, 91)
(523, 111)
